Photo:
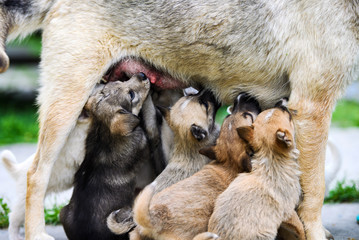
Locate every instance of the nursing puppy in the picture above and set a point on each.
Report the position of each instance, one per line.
(307, 50)
(182, 210)
(115, 147)
(256, 203)
(192, 120)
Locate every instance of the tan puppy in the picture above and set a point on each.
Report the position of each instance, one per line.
(192, 120)
(183, 210)
(255, 204)
(308, 50)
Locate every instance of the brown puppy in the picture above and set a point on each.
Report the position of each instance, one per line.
(255, 204)
(183, 210)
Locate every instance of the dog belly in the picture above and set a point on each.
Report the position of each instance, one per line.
(227, 46)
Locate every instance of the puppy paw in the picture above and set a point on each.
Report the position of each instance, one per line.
(206, 236)
(284, 137)
(43, 236)
(121, 221)
(198, 132)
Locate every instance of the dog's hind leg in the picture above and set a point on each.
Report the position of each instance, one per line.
(70, 69)
(313, 100)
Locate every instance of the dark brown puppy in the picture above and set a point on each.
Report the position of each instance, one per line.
(115, 147)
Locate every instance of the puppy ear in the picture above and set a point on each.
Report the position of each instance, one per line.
(124, 123)
(246, 163)
(209, 152)
(198, 132)
(246, 133)
(165, 112)
(284, 138)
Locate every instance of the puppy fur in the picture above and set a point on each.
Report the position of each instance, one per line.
(115, 147)
(192, 120)
(62, 174)
(182, 210)
(256, 203)
(307, 50)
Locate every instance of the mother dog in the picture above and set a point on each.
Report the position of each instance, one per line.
(307, 50)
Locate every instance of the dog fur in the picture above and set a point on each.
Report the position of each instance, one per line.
(115, 148)
(256, 203)
(182, 210)
(307, 50)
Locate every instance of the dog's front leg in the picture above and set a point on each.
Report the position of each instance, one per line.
(72, 63)
(56, 122)
(312, 121)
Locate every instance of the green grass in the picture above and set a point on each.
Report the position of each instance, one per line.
(4, 214)
(346, 114)
(343, 192)
(52, 215)
(18, 121)
(32, 43)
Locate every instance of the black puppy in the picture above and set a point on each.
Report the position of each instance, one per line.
(115, 147)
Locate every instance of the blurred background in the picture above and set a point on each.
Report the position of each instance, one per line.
(19, 129)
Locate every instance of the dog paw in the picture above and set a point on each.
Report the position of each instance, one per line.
(121, 221)
(43, 236)
(283, 137)
(198, 132)
(328, 235)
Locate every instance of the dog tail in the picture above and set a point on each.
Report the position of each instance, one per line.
(142, 207)
(10, 163)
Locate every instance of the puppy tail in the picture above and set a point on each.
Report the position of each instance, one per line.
(142, 206)
(10, 163)
(121, 221)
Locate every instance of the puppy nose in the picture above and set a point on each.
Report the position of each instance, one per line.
(142, 76)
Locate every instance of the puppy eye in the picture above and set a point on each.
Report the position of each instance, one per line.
(132, 94)
(246, 114)
(122, 111)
